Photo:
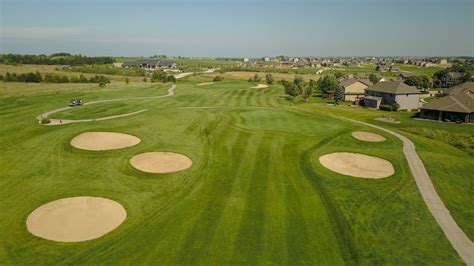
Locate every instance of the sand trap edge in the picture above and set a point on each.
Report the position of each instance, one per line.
(142, 162)
(354, 171)
(136, 141)
(367, 136)
(61, 202)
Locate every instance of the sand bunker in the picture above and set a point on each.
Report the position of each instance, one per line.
(160, 162)
(205, 83)
(260, 86)
(367, 136)
(101, 141)
(358, 165)
(76, 219)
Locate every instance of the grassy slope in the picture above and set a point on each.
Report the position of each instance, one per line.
(450, 169)
(255, 193)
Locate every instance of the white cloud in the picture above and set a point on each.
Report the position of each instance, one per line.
(37, 32)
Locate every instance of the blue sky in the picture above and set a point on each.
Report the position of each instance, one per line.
(238, 28)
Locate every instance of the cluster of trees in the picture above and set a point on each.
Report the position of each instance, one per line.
(54, 59)
(36, 77)
(299, 87)
(422, 82)
(161, 76)
(255, 78)
(108, 70)
(326, 84)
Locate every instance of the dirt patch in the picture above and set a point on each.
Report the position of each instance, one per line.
(76, 219)
(260, 86)
(101, 141)
(367, 136)
(357, 165)
(205, 83)
(160, 162)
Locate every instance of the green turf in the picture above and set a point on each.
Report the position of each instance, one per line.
(255, 194)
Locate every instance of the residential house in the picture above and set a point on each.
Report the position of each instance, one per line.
(457, 106)
(392, 92)
(354, 89)
(451, 79)
(151, 64)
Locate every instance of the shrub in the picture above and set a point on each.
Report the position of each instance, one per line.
(389, 107)
(218, 78)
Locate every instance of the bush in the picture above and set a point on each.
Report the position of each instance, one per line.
(389, 107)
(218, 78)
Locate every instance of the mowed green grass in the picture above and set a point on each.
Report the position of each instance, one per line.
(255, 194)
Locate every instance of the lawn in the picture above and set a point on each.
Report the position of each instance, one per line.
(256, 193)
(450, 168)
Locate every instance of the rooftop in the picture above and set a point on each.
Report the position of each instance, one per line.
(460, 100)
(393, 87)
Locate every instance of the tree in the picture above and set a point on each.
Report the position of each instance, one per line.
(269, 79)
(422, 83)
(171, 78)
(307, 91)
(102, 83)
(290, 88)
(158, 76)
(328, 83)
(256, 78)
(338, 95)
(127, 80)
(373, 78)
(338, 74)
(299, 84)
(378, 68)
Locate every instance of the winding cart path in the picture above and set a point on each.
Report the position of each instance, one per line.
(55, 122)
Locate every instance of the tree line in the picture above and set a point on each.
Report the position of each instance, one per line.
(54, 59)
(36, 77)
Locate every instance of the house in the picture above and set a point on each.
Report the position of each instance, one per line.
(451, 79)
(354, 89)
(392, 92)
(151, 64)
(457, 106)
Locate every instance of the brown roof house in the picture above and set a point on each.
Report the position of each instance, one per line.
(354, 89)
(457, 106)
(392, 92)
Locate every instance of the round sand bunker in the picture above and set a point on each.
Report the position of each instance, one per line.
(160, 162)
(367, 136)
(357, 165)
(101, 141)
(76, 219)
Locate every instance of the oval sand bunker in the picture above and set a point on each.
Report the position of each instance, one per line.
(160, 162)
(357, 165)
(75, 219)
(102, 141)
(367, 136)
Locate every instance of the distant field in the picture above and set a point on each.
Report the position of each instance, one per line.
(421, 70)
(45, 69)
(243, 75)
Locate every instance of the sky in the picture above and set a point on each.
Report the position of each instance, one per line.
(243, 28)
